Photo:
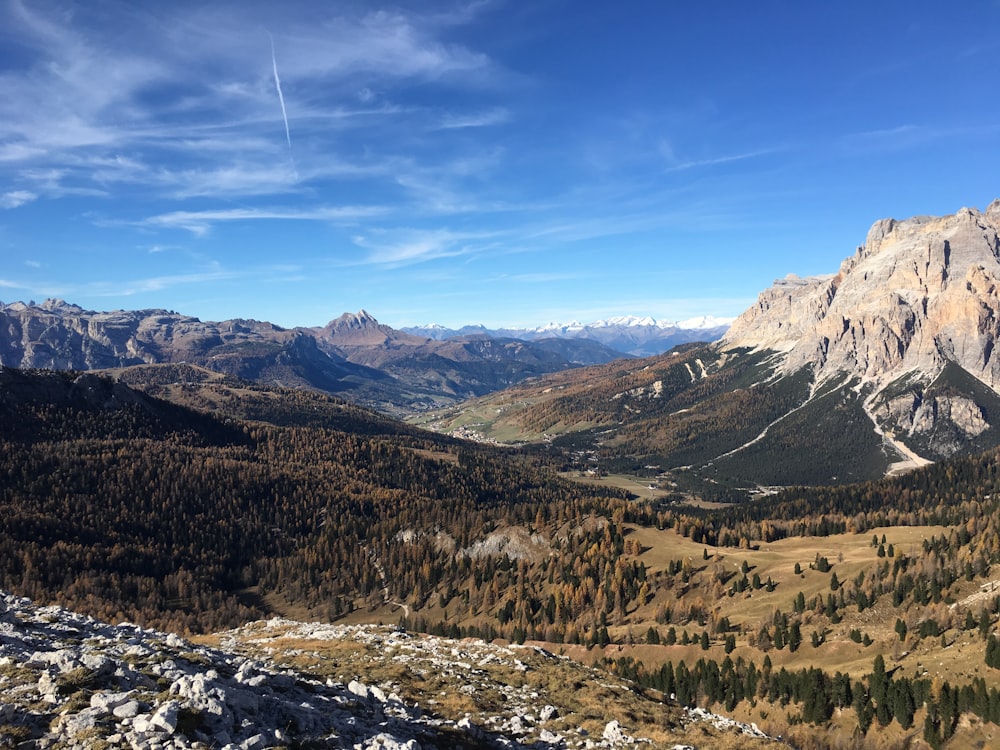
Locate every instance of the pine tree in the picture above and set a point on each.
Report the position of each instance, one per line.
(984, 622)
(993, 652)
(794, 637)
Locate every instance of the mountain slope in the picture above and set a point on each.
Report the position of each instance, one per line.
(913, 315)
(887, 364)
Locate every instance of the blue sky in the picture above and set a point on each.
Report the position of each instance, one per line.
(505, 163)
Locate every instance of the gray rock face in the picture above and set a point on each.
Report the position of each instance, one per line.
(918, 296)
(917, 293)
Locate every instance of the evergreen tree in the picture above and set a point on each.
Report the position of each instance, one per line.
(993, 652)
(794, 637)
(984, 622)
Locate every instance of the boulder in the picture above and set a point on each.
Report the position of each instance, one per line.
(547, 713)
(166, 717)
(614, 734)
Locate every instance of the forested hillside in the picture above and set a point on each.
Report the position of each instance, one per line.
(125, 506)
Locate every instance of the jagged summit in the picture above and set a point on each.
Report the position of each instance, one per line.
(918, 304)
(361, 329)
(361, 319)
(916, 295)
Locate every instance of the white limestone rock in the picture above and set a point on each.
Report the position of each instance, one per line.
(358, 688)
(128, 710)
(166, 716)
(548, 713)
(614, 734)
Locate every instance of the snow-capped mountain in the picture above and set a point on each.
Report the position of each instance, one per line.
(629, 334)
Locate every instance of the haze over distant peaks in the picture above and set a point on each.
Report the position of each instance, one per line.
(630, 334)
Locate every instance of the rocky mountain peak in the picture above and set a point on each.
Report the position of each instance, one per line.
(54, 304)
(354, 321)
(919, 295)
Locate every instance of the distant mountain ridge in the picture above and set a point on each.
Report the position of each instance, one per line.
(630, 334)
(353, 356)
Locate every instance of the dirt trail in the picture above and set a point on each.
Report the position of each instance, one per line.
(385, 582)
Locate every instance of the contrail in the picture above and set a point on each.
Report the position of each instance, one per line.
(281, 97)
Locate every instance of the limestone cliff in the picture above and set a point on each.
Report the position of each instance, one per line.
(917, 296)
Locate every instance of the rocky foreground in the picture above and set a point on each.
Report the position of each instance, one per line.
(69, 681)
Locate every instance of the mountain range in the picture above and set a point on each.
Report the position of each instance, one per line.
(354, 355)
(887, 363)
(637, 336)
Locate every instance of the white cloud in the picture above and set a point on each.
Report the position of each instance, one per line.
(409, 246)
(199, 222)
(486, 118)
(714, 160)
(16, 198)
(184, 102)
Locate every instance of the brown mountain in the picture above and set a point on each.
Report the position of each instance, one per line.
(353, 356)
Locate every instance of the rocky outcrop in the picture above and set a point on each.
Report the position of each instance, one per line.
(68, 681)
(61, 336)
(917, 296)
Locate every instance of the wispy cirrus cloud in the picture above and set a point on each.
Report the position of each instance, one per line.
(541, 277)
(486, 118)
(879, 139)
(207, 273)
(711, 161)
(186, 98)
(400, 247)
(200, 222)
